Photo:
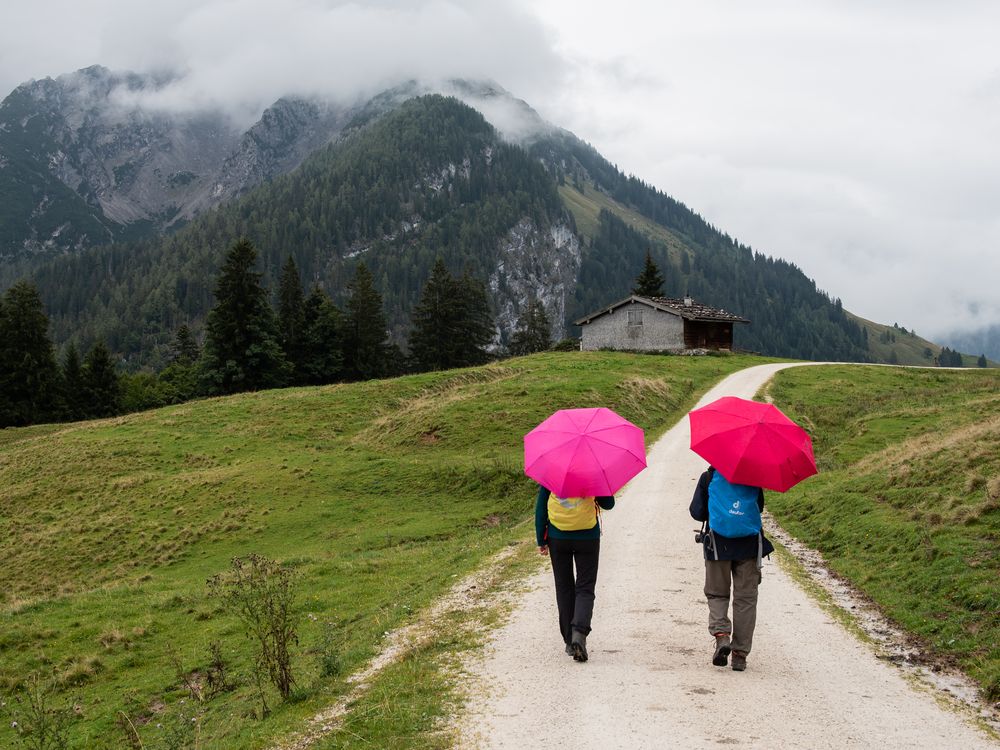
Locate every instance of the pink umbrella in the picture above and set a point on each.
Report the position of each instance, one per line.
(752, 443)
(584, 452)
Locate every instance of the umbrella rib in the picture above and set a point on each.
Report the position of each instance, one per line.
(604, 473)
(615, 445)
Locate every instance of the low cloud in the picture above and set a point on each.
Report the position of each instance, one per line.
(242, 55)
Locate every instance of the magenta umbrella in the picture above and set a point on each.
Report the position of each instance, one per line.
(752, 443)
(584, 452)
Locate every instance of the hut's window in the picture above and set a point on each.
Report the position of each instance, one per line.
(635, 317)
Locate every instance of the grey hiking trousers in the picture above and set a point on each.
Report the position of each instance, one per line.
(742, 578)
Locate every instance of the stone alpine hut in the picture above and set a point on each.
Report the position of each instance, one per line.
(658, 324)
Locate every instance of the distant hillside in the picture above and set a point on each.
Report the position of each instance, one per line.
(983, 341)
(621, 217)
(895, 344)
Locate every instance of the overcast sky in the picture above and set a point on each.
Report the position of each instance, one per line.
(858, 140)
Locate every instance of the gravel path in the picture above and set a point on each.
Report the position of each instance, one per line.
(649, 682)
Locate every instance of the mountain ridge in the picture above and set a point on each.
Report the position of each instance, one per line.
(562, 231)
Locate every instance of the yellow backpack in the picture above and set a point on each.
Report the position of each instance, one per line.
(572, 513)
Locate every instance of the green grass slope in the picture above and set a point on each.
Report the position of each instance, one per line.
(378, 494)
(586, 205)
(909, 348)
(907, 501)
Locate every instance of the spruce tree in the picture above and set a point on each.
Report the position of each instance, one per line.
(434, 342)
(981, 362)
(365, 337)
(180, 380)
(29, 375)
(184, 350)
(322, 355)
(533, 332)
(452, 323)
(241, 339)
(291, 316)
(649, 283)
(475, 323)
(74, 395)
(101, 385)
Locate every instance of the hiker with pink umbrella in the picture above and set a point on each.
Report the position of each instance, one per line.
(580, 459)
(751, 447)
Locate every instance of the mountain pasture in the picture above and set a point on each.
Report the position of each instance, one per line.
(376, 494)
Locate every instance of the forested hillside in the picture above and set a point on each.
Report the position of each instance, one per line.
(789, 316)
(428, 179)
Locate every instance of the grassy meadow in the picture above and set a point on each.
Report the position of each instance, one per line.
(907, 501)
(586, 209)
(376, 494)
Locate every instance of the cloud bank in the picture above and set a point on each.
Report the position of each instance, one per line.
(242, 55)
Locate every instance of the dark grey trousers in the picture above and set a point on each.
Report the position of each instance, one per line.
(741, 577)
(574, 595)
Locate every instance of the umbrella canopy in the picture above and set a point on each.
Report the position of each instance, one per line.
(752, 443)
(583, 452)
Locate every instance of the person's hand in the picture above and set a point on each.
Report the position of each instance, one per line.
(543, 551)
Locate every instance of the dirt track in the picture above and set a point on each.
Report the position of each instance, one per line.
(649, 682)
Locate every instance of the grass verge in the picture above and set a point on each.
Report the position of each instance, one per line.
(907, 502)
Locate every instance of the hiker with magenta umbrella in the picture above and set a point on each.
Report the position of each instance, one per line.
(751, 447)
(580, 458)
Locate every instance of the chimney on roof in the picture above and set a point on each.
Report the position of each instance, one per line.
(688, 301)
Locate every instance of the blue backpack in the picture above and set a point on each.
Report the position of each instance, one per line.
(732, 508)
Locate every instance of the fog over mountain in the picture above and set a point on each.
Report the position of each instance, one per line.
(855, 140)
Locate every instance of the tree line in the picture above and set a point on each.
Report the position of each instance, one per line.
(249, 345)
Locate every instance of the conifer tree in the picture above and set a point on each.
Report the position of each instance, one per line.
(184, 350)
(365, 337)
(241, 339)
(74, 395)
(322, 355)
(452, 323)
(101, 384)
(981, 362)
(180, 379)
(291, 317)
(475, 324)
(434, 341)
(533, 332)
(649, 283)
(29, 376)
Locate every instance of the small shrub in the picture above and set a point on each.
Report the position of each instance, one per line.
(36, 721)
(216, 676)
(180, 730)
(261, 593)
(330, 664)
(566, 345)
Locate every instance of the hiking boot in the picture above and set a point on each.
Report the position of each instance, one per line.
(739, 661)
(579, 646)
(723, 645)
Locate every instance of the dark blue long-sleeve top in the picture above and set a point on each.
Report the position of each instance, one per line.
(545, 531)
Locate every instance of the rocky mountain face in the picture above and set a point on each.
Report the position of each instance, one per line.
(83, 163)
(535, 264)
